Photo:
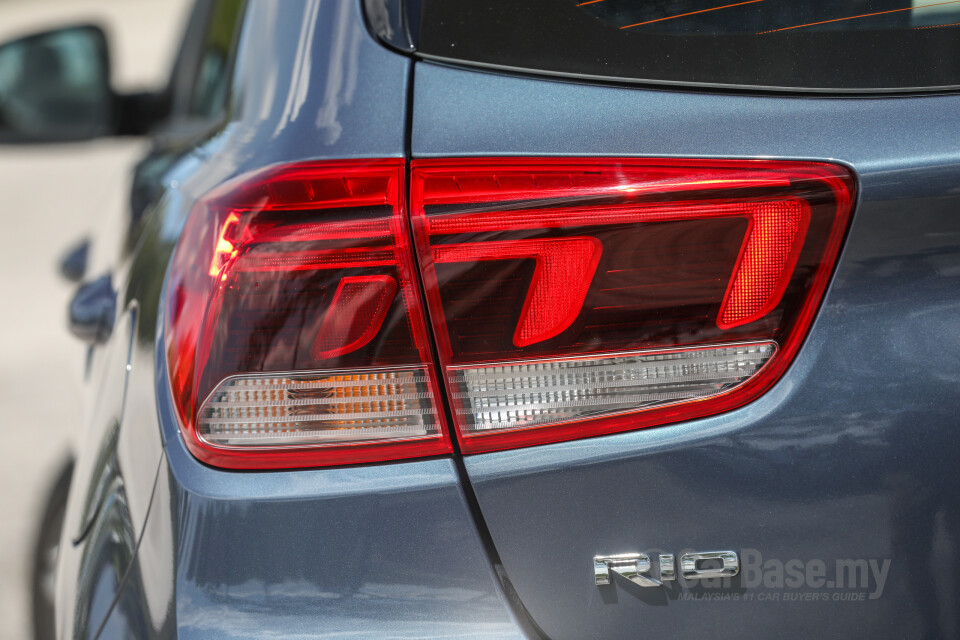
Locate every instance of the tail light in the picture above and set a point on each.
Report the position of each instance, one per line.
(578, 297)
(567, 298)
(295, 336)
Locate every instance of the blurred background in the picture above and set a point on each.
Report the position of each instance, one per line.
(50, 197)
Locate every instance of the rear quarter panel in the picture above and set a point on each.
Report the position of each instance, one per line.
(386, 551)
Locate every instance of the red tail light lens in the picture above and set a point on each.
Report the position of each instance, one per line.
(577, 297)
(294, 332)
(568, 298)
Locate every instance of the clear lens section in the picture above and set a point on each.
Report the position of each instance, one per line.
(539, 393)
(332, 407)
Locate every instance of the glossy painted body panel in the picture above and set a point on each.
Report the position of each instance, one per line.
(848, 456)
(851, 455)
(374, 551)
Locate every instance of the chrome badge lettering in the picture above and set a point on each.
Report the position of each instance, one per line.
(635, 567)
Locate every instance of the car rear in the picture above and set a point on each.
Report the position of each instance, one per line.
(562, 320)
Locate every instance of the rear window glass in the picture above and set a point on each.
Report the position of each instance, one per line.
(838, 45)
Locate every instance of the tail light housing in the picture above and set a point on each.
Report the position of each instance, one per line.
(295, 336)
(566, 298)
(578, 297)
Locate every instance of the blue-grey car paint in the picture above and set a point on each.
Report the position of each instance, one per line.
(852, 455)
(383, 551)
(846, 456)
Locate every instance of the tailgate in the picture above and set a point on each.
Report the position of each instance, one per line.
(836, 488)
